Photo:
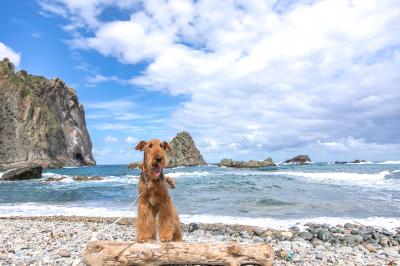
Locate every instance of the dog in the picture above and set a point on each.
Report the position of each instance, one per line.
(156, 211)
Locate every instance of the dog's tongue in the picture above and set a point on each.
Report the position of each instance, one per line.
(156, 171)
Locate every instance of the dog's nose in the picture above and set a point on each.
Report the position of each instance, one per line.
(158, 159)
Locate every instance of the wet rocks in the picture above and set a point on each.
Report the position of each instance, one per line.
(87, 178)
(134, 165)
(23, 173)
(299, 159)
(193, 227)
(246, 164)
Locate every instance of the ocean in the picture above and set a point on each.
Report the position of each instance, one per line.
(367, 193)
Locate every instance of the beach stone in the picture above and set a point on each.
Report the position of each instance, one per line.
(323, 235)
(356, 232)
(64, 253)
(384, 241)
(244, 234)
(193, 227)
(259, 232)
(348, 225)
(306, 235)
(316, 242)
(294, 229)
(319, 256)
(371, 248)
(353, 240)
(287, 234)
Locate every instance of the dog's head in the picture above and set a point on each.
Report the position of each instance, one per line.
(155, 159)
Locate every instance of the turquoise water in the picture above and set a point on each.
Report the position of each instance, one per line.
(215, 194)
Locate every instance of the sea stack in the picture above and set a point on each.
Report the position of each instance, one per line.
(184, 151)
(42, 122)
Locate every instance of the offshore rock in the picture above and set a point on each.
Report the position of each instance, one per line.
(183, 152)
(299, 159)
(23, 173)
(248, 164)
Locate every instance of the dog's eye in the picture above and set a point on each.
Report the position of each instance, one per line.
(151, 146)
(161, 145)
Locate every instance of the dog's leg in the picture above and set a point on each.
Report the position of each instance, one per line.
(178, 233)
(145, 223)
(170, 181)
(167, 221)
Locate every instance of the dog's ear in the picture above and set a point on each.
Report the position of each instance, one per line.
(140, 146)
(166, 146)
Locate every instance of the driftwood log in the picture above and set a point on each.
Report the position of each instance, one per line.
(177, 253)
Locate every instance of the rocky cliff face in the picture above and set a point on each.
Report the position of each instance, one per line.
(41, 121)
(184, 152)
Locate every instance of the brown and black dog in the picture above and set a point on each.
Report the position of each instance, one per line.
(155, 212)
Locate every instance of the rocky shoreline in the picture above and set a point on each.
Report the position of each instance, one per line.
(61, 240)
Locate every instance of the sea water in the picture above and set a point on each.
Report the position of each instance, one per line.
(276, 197)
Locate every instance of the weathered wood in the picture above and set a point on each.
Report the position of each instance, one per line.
(154, 253)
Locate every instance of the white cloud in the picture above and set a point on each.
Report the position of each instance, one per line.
(115, 105)
(261, 76)
(7, 52)
(130, 139)
(350, 144)
(96, 79)
(111, 139)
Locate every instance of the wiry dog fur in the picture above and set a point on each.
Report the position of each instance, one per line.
(156, 212)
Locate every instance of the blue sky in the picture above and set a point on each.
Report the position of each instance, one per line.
(248, 79)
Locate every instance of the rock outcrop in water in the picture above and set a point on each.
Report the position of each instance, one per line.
(183, 152)
(248, 164)
(23, 173)
(299, 159)
(42, 122)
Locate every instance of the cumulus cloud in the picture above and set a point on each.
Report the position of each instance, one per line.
(263, 76)
(110, 138)
(130, 139)
(7, 52)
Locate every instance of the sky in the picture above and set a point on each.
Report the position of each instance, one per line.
(247, 79)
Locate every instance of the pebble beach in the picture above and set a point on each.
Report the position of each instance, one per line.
(61, 240)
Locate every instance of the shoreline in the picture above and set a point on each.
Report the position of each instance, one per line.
(61, 240)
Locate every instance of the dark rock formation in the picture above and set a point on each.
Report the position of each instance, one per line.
(299, 159)
(247, 164)
(337, 162)
(359, 161)
(184, 152)
(134, 165)
(87, 178)
(42, 122)
(23, 173)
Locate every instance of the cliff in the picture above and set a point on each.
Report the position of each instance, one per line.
(184, 151)
(41, 122)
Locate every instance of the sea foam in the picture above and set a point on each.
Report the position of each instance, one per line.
(34, 209)
(390, 162)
